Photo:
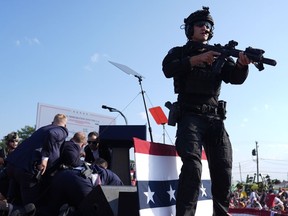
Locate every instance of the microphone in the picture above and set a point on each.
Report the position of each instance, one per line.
(109, 108)
(115, 110)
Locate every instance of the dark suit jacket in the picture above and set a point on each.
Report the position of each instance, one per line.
(44, 142)
(69, 186)
(107, 176)
(104, 152)
(70, 154)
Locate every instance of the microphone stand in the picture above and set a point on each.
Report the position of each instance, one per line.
(115, 110)
(126, 122)
(145, 106)
(163, 133)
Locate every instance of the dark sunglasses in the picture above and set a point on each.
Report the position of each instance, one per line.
(93, 142)
(15, 140)
(204, 23)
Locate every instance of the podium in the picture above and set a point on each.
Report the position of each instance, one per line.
(119, 138)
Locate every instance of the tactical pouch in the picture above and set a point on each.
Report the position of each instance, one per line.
(174, 112)
(221, 109)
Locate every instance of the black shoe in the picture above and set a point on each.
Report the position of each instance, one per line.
(66, 210)
(5, 208)
(10, 209)
(27, 210)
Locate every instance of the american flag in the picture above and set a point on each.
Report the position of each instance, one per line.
(157, 172)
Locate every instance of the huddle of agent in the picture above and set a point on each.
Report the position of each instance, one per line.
(46, 172)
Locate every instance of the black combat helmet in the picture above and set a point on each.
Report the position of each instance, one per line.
(199, 15)
(13, 136)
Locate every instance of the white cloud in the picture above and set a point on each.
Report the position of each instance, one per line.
(244, 121)
(106, 56)
(17, 42)
(95, 58)
(35, 40)
(32, 41)
(266, 107)
(256, 109)
(88, 68)
(27, 40)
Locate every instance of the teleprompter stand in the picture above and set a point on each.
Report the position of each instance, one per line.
(129, 71)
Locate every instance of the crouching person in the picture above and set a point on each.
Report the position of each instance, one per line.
(75, 180)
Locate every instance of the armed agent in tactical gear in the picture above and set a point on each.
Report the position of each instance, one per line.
(200, 113)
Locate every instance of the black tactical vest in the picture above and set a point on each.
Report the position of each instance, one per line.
(200, 79)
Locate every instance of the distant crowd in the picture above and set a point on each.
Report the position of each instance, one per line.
(272, 200)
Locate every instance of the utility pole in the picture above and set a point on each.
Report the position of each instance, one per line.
(257, 161)
(240, 172)
(255, 153)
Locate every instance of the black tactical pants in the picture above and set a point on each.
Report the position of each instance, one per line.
(193, 133)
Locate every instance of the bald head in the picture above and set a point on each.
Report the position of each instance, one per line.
(80, 138)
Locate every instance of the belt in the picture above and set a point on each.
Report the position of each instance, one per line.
(203, 109)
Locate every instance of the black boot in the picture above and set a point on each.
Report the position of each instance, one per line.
(27, 210)
(5, 208)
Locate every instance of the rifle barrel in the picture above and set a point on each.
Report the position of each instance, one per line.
(269, 61)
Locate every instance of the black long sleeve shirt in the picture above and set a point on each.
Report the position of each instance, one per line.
(199, 84)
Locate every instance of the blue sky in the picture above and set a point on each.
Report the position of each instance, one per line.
(57, 52)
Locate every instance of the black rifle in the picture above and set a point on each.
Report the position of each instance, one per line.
(255, 55)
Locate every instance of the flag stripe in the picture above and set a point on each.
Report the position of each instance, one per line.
(167, 211)
(204, 208)
(149, 148)
(155, 167)
(205, 170)
(155, 149)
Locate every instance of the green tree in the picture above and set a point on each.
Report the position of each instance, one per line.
(23, 133)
